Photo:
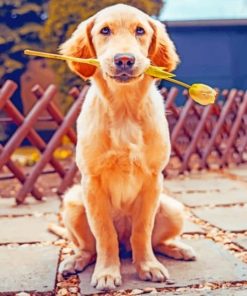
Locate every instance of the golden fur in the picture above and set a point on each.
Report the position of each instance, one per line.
(123, 146)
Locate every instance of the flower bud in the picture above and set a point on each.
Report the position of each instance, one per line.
(202, 94)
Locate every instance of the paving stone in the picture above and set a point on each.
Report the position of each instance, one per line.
(214, 264)
(240, 171)
(28, 268)
(217, 292)
(242, 242)
(237, 194)
(8, 206)
(226, 218)
(26, 229)
(190, 227)
(201, 183)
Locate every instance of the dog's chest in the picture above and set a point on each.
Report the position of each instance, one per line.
(123, 189)
(128, 146)
(126, 161)
(126, 134)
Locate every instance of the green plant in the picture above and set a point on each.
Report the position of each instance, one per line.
(20, 27)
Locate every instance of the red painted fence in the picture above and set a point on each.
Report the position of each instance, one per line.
(202, 137)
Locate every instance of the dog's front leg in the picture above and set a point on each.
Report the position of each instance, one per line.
(147, 265)
(107, 269)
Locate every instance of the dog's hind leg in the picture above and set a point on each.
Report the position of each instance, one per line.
(168, 226)
(79, 233)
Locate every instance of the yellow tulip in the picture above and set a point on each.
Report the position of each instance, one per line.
(154, 71)
(202, 94)
(158, 72)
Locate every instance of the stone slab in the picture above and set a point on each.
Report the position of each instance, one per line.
(234, 195)
(227, 218)
(217, 292)
(242, 242)
(214, 264)
(190, 228)
(28, 268)
(240, 171)
(201, 183)
(8, 206)
(27, 229)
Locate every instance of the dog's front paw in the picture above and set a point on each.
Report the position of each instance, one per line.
(106, 279)
(152, 271)
(75, 263)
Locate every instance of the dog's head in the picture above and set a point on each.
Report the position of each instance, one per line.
(124, 40)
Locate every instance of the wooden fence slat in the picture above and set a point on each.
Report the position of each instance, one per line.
(196, 136)
(234, 131)
(6, 92)
(68, 179)
(32, 135)
(23, 130)
(21, 176)
(180, 124)
(54, 112)
(51, 146)
(216, 129)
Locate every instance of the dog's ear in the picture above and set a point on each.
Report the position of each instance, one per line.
(80, 46)
(162, 51)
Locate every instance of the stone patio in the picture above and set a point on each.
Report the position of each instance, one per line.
(183, 273)
(216, 204)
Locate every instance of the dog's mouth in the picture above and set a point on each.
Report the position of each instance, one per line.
(124, 77)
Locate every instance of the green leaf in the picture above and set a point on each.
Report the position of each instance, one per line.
(20, 47)
(158, 72)
(30, 28)
(27, 8)
(12, 65)
(8, 35)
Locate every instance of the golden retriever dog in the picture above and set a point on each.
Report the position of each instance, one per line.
(123, 146)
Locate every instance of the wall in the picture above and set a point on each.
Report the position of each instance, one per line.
(211, 52)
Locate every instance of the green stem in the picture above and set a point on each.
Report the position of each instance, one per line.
(95, 63)
(178, 82)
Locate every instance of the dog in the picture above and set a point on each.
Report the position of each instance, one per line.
(123, 146)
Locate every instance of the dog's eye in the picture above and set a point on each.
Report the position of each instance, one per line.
(140, 31)
(105, 31)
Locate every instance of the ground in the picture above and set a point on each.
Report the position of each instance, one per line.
(216, 226)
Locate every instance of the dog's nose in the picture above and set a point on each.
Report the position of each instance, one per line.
(124, 61)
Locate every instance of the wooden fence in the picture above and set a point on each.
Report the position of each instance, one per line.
(202, 137)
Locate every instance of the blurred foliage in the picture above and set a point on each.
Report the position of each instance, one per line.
(20, 26)
(63, 18)
(44, 25)
(29, 155)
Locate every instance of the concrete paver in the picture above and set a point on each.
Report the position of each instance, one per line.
(227, 218)
(208, 189)
(217, 292)
(205, 269)
(32, 268)
(242, 242)
(28, 268)
(223, 197)
(8, 206)
(199, 183)
(190, 228)
(26, 229)
(240, 171)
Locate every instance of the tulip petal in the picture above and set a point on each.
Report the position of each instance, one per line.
(202, 94)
